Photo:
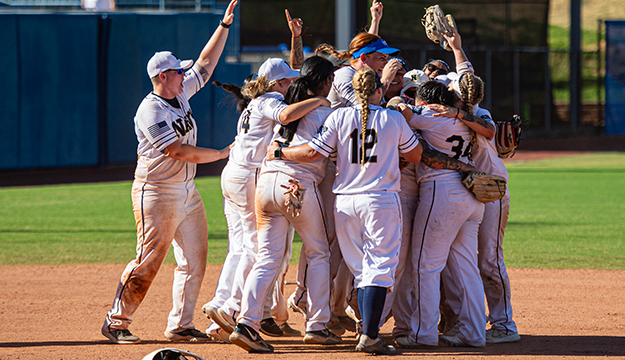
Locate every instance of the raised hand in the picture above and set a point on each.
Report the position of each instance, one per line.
(294, 24)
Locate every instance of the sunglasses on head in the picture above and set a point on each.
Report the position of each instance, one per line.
(178, 71)
(441, 71)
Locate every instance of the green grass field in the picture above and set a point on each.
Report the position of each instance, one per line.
(566, 213)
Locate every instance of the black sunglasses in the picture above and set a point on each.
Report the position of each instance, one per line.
(178, 71)
(441, 71)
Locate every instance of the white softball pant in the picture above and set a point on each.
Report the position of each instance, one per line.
(236, 184)
(401, 298)
(492, 266)
(445, 233)
(239, 188)
(342, 278)
(273, 224)
(165, 215)
(369, 235)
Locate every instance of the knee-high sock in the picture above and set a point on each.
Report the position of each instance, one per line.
(371, 302)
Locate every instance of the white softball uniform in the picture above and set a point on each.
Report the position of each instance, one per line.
(342, 93)
(445, 233)
(254, 132)
(490, 239)
(367, 204)
(273, 221)
(168, 211)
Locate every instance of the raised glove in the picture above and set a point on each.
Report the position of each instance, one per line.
(486, 187)
(508, 136)
(294, 197)
(436, 24)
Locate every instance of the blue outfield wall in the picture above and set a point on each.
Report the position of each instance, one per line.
(615, 78)
(80, 77)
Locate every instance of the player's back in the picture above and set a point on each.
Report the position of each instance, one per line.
(447, 135)
(386, 132)
(255, 129)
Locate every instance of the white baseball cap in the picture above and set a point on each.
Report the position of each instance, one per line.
(445, 79)
(413, 78)
(455, 82)
(165, 60)
(276, 69)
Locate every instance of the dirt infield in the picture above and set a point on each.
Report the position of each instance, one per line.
(55, 312)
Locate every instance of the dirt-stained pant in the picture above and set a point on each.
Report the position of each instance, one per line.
(273, 224)
(165, 215)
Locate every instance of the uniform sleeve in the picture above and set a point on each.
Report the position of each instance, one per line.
(485, 114)
(326, 139)
(271, 108)
(407, 138)
(345, 91)
(192, 82)
(155, 123)
(417, 120)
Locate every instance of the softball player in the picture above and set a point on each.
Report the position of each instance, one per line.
(238, 201)
(274, 215)
(366, 50)
(255, 129)
(445, 229)
(168, 208)
(491, 232)
(366, 191)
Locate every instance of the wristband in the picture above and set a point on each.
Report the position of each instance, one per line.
(277, 153)
(221, 23)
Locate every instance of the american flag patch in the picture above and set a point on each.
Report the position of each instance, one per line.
(158, 129)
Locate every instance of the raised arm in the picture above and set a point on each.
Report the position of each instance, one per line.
(209, 56)
(477, 124)
(297, 45)
(376, 17)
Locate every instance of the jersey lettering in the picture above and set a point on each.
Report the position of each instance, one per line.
(371, 138)
(183, 125)
(245, 125)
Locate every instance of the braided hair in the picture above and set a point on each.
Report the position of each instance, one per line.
(358, 42)
(314, 72)
(366, 81)
(472, 89)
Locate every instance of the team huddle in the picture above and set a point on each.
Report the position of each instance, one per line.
(367, 159)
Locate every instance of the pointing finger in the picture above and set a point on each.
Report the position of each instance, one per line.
(288, 15)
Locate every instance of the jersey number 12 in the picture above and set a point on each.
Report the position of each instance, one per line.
(372, 138)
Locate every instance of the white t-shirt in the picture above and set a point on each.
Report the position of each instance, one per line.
(485, 155)
(387, 135)
(255, 129)
(158, 125)
(342, 93)
(450, 136)
(307, 128)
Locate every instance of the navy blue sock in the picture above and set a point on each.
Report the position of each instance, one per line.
(373, 305)
(361, 304)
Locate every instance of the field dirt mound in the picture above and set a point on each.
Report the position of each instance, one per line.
(55, 312)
